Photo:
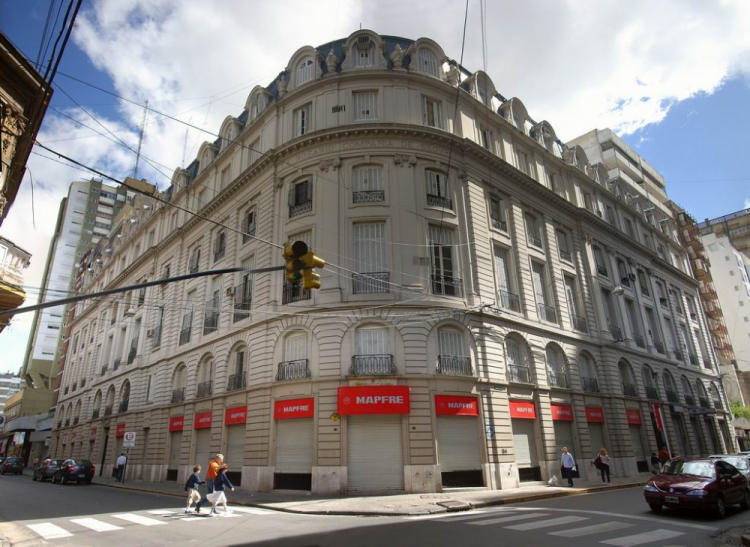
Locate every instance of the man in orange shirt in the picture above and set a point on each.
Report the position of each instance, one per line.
(663, 455)
(213, 470)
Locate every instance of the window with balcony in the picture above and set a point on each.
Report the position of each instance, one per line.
(700, 390)
(370, 255)
(187, 319)
(601, 263)
(371, 353)
(179, 383)
(453, 357)
(368, 184)
(237, 380)
(432, 112)
(125, 398)
(534, 230)
(687, 391)
(220, 245)
(653, 331)
(557, 371)
(670, 388)
(205, 378)
(627, 379)
(498, 217)
(643, 283)
(365, 105)
(213, 307)
(634, 323)
(674, 347)
(545, 307)
(295, 365)
(302, 120)
(437, 190)
(506, 295)
(563, 245)
(446, 279)
(293, 292)
(610, 316)
(649, 383)
(518, 368)
(300, 197)
(248, 224)
(243, 293)
(224, 177)
(485, 136)
(589, 375)
(622, 270)
(574, 304)
(158, 327)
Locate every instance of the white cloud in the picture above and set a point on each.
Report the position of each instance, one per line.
(577, 64)
(747, 203)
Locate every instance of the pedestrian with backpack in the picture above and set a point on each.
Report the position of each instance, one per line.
(602, 462)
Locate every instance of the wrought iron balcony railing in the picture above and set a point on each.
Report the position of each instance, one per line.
(558, 379)
(590, 384)
(693, 359)
(519, 374)
(368, 196)
(565, 255)
(293, 292)
(185, 335)
(659, 346)
(446, 285)
(205, 389)
(95, 414)
(372, 365)
(236, 382)
(689, 400)
(616, 332)
(454, 366)
(178, 395)
(116, 364)
(509, 301)
(210, 322)
(672, 396)
(678, 355)
(500, 225)
(76, 420)
(377, 282)
(439, 201)
(629, 389)
(652, 393)
(579, 323)
(547, 313)
(107, 411)
(83, 383)
(703, 402)
(535, 241)
(243, 300)
(123, 406)
(105, 368)
(300, 208)
(293, 370)
(639, 341)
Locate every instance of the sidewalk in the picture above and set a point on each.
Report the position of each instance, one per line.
(392, 505)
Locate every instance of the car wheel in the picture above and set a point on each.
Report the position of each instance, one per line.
(655, 507)
(720, 508)
(63, 479)
(745, 503)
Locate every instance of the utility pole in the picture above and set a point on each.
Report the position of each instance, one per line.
(140, 140)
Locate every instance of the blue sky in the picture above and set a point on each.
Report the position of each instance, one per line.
(669, 77)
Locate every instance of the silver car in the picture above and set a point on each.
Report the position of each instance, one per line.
(740, 461)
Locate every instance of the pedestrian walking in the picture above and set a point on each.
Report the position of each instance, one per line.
(213, 471)
(567, 465)
(663, 455)
(221, 483)
(121, 461)
(192, 487)
(655, 466)
(601, 462)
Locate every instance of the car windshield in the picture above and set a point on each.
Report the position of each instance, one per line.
(698, 469)
(14, 460)
(57, 463)
(82, 463)
(739, 463)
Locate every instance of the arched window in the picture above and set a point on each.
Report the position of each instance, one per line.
(205, 377)
(453, 356)
(110, 401)
(97, 405)
(237, 378)
(589, 376)
(125, 397)
(77, 415)
(670, 387)
(627, 379)
(294, 364)
(517, 362)
(702, 394)
(556, 369)
(305, 71)
(368, 184)
(715, 397)
(371, 351)
(179, 383)
(69, 414)
(427, 63)
(688, 391)
(649, 382)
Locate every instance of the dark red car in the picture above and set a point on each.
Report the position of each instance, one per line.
(686, 483)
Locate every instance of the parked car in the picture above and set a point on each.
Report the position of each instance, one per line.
(740, 461)
(45, 471)
(74, 471)
(697, 483)
(12, 465)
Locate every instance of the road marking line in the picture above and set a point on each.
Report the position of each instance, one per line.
(162, 512)
(49, 531)
(251, 510)
(545, 523)
(508, 519)
(589, 530)
(645, 537)
(96, 525)
(445, 515)
(138, 519)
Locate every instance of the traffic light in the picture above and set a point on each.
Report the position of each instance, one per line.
(310, 279)
(293, 257)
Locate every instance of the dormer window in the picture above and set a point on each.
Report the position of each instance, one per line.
(427, 62)
(305, 71)
(364, 56)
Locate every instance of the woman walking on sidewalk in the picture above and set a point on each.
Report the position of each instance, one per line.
(602, 464)
(567, 465)
(192, 488)
(220, 484)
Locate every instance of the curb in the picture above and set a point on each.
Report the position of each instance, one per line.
(436, 511)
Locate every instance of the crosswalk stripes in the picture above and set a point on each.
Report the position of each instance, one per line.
(138, 519)
(545, 523)
(50, 531)
(96, 525)
(645, 537)
(500, 520)
(594, 529)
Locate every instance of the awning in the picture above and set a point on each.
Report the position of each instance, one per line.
(40, 436)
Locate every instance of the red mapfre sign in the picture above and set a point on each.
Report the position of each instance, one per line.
(456, 405)
(202, 420)
(176, 423)
(374, 400)
(120, 431)
(633, 416)
(236, 415)
(563, 413)
(523, 410)
(294, 408)
(595, 414)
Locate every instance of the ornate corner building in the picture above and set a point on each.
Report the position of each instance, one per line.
(491, 295)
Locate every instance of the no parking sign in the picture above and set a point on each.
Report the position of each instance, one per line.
(128, 440)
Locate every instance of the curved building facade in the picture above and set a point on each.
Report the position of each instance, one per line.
(490, 297)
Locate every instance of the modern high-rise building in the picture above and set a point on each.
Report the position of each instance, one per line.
(492, 295)
(9, 385)
(734, 226)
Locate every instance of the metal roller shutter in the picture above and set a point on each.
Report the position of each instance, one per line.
(524, 443)
(376, 461)
(635, 434)
(235, 455)
(203, 447)
(294, 446)
(458, 445)
(596, 432)
(175, 449)
(564, 436)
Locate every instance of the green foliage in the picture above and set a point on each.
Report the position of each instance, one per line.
(740, 411)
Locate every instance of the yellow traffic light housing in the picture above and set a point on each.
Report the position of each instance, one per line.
(310, 279)
(293, 257)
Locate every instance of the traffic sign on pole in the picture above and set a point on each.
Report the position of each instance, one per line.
(128, 440)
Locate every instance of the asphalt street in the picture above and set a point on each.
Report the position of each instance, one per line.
(34, 513)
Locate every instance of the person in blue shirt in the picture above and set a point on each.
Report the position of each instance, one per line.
(221, 483)
(192, 488)
(567, 465)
